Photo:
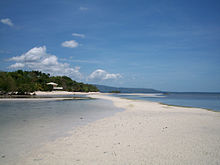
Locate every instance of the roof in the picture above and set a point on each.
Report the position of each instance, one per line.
(52, 83)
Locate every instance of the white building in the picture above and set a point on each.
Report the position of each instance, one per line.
(55, 87)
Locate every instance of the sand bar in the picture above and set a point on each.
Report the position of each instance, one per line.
(145, 133)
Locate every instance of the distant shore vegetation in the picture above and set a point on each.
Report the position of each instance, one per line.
(24, 82)
(115, 92)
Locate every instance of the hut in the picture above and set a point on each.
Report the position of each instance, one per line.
(55, 86)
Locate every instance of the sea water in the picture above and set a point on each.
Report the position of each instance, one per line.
(200, 100)
(25, 125)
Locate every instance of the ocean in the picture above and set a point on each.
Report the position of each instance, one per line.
(200, 100)
(25, 125)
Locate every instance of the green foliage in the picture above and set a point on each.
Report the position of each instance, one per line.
(24, 82)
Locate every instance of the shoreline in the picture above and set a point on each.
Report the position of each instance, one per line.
(144, 133)
(172, 105)
(158, 95)
(50, 96)
(163, 104)
(44, 99)
(182, 106)
(42, 93)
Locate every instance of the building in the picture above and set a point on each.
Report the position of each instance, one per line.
(55, 86)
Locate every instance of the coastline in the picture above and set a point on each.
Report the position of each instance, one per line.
(50, 96)
(44, 99)
(41, 93)
(145, 133)
(158, 95)
(182, 106)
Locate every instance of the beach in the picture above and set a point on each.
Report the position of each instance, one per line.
(119, 82)
(144, 133)
(50, 96)
(42, 93)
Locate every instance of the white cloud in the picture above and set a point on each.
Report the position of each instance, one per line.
(37, 58)
(78, 35)
(70, 44)
(83, 8)
(100, 75)
(33, 54)
(7, 21)
(17, 65)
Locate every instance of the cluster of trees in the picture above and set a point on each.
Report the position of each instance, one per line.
(115, 92)
(24, 82)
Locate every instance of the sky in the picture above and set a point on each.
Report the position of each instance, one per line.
(169, 45)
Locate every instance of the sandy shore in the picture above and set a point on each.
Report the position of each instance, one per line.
(43, 96)
(42, 93)
(41, 99)
(145, 133)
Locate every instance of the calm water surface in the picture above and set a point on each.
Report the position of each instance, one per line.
(25, 125)
(200, 100)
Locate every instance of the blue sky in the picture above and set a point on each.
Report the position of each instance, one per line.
(169, 45)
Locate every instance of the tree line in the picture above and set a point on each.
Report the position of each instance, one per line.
(24, 82)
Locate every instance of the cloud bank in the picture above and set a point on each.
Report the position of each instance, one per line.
(70, 44)
(7, 21)
(37, 58)
(101, 75)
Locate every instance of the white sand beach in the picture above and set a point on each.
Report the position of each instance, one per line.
(42, 96)
(145, 133)
(42, 93)
(41, 99)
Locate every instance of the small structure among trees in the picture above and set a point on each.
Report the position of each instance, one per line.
(55, 86)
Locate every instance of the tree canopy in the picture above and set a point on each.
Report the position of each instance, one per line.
(24, 82)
